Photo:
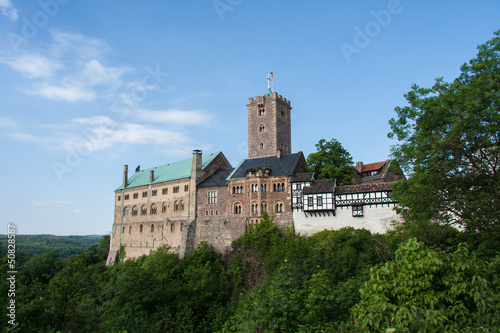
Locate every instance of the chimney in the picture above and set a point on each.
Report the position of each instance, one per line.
(196, 166)
(125, 176)
(359, 166)
(278, 153)
(151, 176)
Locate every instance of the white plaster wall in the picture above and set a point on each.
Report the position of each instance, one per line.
(377, 219)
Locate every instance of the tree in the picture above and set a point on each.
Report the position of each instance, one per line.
(331, 160)
(449, 144)
(424, 290)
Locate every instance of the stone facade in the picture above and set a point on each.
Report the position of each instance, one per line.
(269, 125)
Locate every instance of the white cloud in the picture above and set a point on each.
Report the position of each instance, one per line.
(77, 210)
(84, 47)
(8, 10)
(178, 117)
(8, 123)
(102, 133)
(33, 65)
(95, 73)
(50, 202)
(66, 92)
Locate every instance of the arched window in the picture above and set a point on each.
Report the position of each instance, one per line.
(172, 227)
(125, 211)
(130, 230)
(135, 210)
(176, 206)
(261, 146)
(279, 207)
(140, 228)
(237, 208)
(144, 210)
(164, 207)
(181, 205)
(263, 207)
(182, 225)
(262, 128)
(152, 227)
(123, 231)
(152, 210)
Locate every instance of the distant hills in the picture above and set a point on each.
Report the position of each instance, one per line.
(63, 246)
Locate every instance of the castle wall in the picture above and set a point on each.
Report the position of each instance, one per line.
(376, 218)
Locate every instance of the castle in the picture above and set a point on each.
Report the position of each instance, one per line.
(206, 199)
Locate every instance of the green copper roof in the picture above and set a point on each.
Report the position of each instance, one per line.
(167, 172)
(269, 92)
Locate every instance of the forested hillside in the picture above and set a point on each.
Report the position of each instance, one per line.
(63, 246)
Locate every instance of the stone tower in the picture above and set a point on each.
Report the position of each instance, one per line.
(269, 126)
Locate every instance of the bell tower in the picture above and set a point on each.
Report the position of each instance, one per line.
(269, 126)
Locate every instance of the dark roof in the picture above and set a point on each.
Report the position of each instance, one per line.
(320, 186)
(283, 166)
(218, 178)
(303, 177)
(374, 187)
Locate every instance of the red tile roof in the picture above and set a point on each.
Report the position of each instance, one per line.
(373, 166)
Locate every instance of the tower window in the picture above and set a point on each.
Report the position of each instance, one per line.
(261, 146)
(237, 208)
(262, 128)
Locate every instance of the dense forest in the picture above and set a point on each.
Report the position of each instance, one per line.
(439, 271)
(63, 246)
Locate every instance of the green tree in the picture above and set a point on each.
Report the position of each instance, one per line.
(331, 160)
(424, 290)
(449, 143)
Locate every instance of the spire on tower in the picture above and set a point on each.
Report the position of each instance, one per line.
(269, 79)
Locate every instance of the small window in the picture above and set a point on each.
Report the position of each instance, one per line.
(357, 210)
(186, 188)
(135, 195)
(129, 230)
(152, 227)
(164, 191)
(152, 210)
(263, 187)
(299, 186)
(182, 225)
(154, 193)
(212, 197)
(144, 210)
(310, 201)
(172, 227)
(145, 194)
(237, 208)
(216, 212)
(119, 198)
(135, 211)
(140, 228)
(211, 212)
(262, 128)
(206, 212)
(125, 212)
(279, 207)
(123, 231)
(164, 207)
(320, 201)
(263, 207)
(127, 196)
(261, 146)
(176, 189)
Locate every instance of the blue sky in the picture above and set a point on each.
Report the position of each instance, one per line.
(88, 86)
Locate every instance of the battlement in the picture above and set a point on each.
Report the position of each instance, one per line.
(260, 99)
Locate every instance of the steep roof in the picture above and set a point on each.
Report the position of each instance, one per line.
(374, 187)
(373, 166)
(320, 186)
(283, 166)
(218, 178)
(303, 177)
(167, 172)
